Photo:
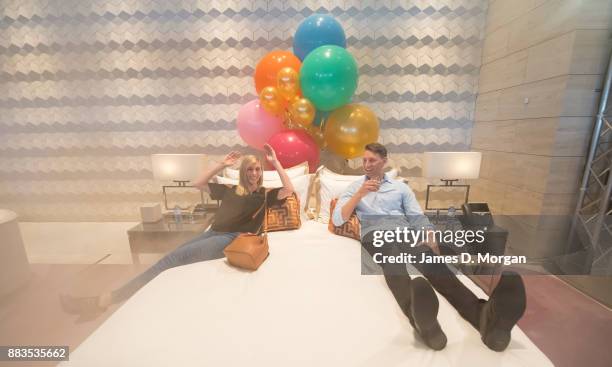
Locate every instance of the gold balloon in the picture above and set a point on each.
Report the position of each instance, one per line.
(288, 83)
(349, 128)
(271, 102)
(302, 112)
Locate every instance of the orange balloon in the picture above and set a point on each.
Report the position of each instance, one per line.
(268, 67)
(302, 111)
(288, 83)
(349, 128)
(271, 101)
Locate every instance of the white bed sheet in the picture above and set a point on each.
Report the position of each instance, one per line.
(307, 305)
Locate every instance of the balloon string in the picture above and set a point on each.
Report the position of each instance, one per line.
(322, 125)
(289, 123)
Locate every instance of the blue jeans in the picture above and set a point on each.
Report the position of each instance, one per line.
(207, 246)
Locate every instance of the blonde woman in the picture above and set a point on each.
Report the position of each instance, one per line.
(239, 213)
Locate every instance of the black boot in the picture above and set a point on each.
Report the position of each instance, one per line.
(423, 314)
(502, 311)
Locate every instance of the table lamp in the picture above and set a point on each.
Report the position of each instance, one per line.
(450, 167)
(178, 168)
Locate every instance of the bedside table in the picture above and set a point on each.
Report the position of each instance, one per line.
(165, 235)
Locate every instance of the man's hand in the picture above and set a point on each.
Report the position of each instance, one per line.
(432, 244)
(368, 187)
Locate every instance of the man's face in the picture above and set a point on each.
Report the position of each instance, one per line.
(373, 164)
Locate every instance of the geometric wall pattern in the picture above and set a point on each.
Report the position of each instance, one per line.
(89, 89)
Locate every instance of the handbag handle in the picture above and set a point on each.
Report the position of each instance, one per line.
(265, 220)
(265, 208)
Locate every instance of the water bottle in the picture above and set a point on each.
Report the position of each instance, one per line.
(178, 214)
(452, 223)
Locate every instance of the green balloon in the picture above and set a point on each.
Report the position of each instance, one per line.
(328, 77)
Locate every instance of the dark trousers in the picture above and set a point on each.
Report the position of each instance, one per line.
(439, 276)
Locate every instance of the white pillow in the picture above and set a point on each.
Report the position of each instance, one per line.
(300, 184)
(324, 171)
(332, 185)
(295, 171)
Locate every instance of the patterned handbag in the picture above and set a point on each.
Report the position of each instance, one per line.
(285, 216)
(351, 228)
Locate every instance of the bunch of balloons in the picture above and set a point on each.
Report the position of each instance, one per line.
(304, 98)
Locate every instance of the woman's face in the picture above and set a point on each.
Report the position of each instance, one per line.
(253, 173)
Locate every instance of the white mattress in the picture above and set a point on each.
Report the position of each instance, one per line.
(307, 305)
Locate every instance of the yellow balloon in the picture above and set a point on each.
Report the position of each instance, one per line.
(288, 83)
(349, 128)
(302, 112)
(271, 102)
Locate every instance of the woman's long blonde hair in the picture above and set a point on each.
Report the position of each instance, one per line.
(243, 181)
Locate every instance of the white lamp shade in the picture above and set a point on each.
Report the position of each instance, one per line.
(452, 165)
(177, 167)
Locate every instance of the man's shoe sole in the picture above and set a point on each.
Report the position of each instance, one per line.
(510, 302)
(424, 306)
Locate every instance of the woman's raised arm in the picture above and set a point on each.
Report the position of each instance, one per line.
(202, 181)
(287, 188)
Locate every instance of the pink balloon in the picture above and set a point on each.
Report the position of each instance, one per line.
(256, 126)
(294, 147)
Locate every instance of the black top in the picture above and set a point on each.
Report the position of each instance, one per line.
(236, 211)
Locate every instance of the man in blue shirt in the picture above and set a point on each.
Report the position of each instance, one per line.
(376, 194)
(384, 203)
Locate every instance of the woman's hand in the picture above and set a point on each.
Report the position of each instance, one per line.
(231, 158)
(287, 188)
(202, 181)
(270, 153)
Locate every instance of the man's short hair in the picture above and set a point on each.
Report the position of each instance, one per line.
(377, 148)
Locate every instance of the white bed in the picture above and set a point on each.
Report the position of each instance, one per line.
(307, 305)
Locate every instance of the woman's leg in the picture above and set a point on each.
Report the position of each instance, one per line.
(208, 247)
(199, 237)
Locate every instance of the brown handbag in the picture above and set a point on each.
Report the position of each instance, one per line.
(249, 251)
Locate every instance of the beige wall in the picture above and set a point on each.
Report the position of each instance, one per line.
(542, 67)
(90, 89)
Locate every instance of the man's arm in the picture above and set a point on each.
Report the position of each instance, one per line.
(337, 217)
(348, 200)
(349, 207)
(412, 209)
(411, 206)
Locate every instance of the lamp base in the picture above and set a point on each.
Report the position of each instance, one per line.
(447, 183)
(179, 184)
